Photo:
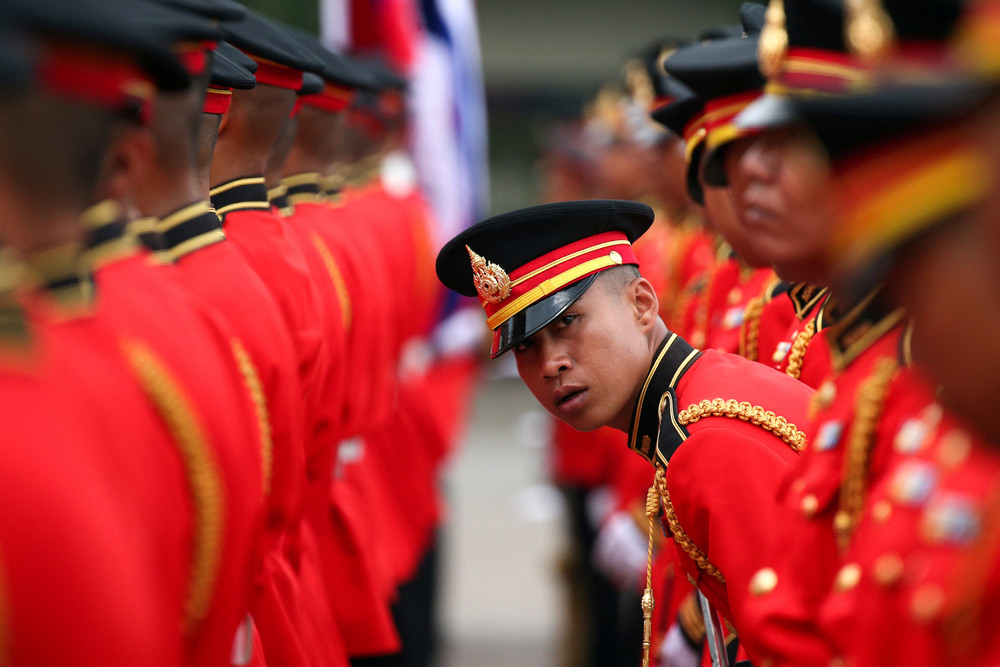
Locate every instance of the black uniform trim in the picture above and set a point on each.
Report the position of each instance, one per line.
(189, 229)
(657, 402)
(858, 329)
(241, 194)
(804, 297)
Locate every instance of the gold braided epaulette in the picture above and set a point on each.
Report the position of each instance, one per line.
(680, 537)
(251, 379)
(750, 330)
(744, 411)
(798, 351)
(202, 471)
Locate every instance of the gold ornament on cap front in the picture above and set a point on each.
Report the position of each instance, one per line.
(490, 280)
(773, 43)
(868, 31)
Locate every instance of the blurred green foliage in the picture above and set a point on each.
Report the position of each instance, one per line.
(300, 13)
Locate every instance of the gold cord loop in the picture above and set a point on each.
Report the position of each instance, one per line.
(680, 537)
(744, 411)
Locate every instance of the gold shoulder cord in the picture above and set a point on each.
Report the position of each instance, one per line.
(343, 295)
(870, 404)
(750, 329)
(746, 412)
(648, 602)
(680, 537)
(202, 472)
(251, 380)
(798, 351)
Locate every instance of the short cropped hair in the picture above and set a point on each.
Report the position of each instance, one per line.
(616, 278)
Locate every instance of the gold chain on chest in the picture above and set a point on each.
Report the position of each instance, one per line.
(750, 330)
(680, 537)
(202, 472)
(868, 409)
(746, 412)
(798, 352)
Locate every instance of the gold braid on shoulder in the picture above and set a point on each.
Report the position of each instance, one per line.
(256, 390)
(798, 351)
(744, 411)
(202, 471)
(337, 278)
(868, 409)
(680, 537)
(750, 329)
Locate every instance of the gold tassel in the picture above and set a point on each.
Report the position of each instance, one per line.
(773, 42)
(868, 29)
(652, 511)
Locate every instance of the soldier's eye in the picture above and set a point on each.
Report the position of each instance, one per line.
(565, 321)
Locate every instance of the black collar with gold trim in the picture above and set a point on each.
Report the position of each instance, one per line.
(303, 188)
(646, 437)
(861, 327)
(107, 237)
(191, 228)
(241, 194)
(805, 297)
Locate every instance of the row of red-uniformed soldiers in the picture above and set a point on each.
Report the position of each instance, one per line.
(223, 416)
(824, 198)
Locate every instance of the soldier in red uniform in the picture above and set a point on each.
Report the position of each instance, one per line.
(590, 346)
(920, 581)
(354, 543)
(859, 410)
(184, 454)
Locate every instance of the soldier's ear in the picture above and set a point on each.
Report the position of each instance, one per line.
(647, 305)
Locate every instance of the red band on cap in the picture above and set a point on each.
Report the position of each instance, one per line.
(333, 99)
(280, 76)
(817, 70)
(107, 80)
(721, 110)
(557, 269)
(217, 100)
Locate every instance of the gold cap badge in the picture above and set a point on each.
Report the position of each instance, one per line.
(773, 42)
(490, 280)
(868, 30)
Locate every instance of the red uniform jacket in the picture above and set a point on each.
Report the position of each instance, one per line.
(213, 269)
(722, 471)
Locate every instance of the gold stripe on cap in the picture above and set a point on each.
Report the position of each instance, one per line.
(599, 246)
(547, 287)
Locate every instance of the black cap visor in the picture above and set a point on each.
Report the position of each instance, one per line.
(537, 316)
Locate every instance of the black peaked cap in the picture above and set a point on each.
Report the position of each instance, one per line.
(752, 18)
(720, 32)
(217, 10)
(145, 29)
(719, 68)
(268, 39)
(227, 74)
(311, 84)
(815, 24)
(848, 124)
(237, 56)
(924, 20)
(337, 68)
(515, 238)
(386, 77)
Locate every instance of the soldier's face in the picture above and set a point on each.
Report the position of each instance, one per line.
(781, 190)
(586, 367)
